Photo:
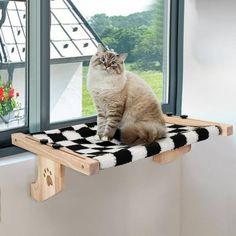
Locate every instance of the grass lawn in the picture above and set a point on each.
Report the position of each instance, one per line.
(153, 78)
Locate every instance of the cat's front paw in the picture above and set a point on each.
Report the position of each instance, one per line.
(105, 138)
(107, 135)
(97, 137)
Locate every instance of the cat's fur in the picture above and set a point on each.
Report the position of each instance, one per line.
(123, 100)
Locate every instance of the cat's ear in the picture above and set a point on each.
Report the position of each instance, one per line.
(123, 56)
(100, 48)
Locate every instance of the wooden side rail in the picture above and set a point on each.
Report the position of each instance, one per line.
(226, 129)
(63, 156)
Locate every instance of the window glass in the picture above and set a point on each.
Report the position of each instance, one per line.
(71, 43)
(12, 65)
(141, 29)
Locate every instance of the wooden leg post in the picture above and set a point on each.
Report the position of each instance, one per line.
(50, 179)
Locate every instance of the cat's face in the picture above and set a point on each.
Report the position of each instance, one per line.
(108, 61)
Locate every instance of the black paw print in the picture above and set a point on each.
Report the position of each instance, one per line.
(47, 174)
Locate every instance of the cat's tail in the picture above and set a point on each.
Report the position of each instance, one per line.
(142, 132)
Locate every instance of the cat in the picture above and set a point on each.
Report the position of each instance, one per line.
(123, 101)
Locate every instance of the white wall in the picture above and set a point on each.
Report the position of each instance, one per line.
(138, 199)
(209, 172)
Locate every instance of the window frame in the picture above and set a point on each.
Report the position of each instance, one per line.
(38, 70)
(175, 58)
(6, 148)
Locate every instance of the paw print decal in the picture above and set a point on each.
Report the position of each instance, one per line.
(47, 174)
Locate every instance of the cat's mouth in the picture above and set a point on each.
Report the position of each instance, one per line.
(107, 69)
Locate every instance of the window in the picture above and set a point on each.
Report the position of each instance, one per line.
(71, 43)
(141, 29)
(13, 84)
(62, 36)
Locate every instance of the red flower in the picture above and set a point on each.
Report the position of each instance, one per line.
(11, 93)
(1, 93)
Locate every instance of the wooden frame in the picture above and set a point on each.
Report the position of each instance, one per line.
(51, 165)
(52, 162)
(226, 129)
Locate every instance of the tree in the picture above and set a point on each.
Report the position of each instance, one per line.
(159, 23)
(147, 52)
(139, 34)
(100, 23)
(149, 49)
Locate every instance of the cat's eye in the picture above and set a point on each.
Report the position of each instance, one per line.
(113, 63)
(102, 59)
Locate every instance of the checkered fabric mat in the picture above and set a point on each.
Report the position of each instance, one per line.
(82, 139)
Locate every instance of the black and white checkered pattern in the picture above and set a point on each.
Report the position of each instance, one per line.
(82, 139)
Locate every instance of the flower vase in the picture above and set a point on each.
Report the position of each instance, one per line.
(6, 118)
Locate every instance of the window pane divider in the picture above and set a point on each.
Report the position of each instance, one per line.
(39, 64)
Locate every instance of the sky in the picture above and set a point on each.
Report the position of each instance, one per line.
(111, 7)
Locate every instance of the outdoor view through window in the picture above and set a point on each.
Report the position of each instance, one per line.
(139, 28)
(12, 64)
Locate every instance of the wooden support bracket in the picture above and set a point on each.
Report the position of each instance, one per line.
(51, 165)
(50, 179)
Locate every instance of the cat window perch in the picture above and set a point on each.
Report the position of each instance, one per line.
(77, 148)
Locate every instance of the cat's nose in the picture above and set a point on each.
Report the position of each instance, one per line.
(107, 66)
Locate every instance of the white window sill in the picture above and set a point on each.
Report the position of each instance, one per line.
(18, 158)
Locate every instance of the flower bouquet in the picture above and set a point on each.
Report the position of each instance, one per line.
(8, 100)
